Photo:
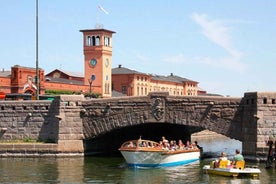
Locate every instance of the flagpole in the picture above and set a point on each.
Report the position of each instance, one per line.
(37, 70)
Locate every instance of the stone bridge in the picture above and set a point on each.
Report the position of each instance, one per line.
(83, 125)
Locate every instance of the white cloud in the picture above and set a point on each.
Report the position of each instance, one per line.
(216, 32)
(219, 34)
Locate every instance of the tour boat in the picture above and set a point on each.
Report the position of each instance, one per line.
(146, 153)
(224, 169)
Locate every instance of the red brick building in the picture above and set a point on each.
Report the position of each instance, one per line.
(98, 77)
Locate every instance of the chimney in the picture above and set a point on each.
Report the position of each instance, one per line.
(120, 66)
(171, 74)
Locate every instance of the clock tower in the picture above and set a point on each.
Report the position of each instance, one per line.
(97, 48)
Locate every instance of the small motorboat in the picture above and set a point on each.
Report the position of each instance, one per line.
(239, 169)
(146, 153)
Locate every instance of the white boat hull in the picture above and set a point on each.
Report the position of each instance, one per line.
(158, 159)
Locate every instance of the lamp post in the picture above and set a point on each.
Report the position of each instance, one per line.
(37, 70)
(93, 77)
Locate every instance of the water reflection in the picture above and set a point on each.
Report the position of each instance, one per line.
(179, 174)
(115, 170)
(37, 170)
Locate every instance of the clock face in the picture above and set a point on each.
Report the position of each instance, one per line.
(106, 62)
(93, 62)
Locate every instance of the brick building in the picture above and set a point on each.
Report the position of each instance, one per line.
(98, 77)
(134, 83)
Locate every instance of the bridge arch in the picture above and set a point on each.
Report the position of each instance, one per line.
(218, 114)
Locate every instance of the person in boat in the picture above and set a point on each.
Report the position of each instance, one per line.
(164, 140)
(173, 145)
(131, 145)
(222, 157)
(180, 144)
(188, 145)
(238, 156)
(165, 143)
(196, 144)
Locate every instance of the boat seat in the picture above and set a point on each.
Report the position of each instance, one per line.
(224, 163)
(240, 164)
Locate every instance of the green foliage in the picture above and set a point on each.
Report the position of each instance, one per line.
(93, 95)
(60, 92)
(29, 139)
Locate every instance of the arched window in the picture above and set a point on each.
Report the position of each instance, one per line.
(88, 41)
(93, 41)
(97, 40)
(106, 41)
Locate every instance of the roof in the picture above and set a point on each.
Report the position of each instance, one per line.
(123, 70)
(64, 81)
(69, 73)
(25, 67)
(5, 73)
(163, 78)
(169, 78)
(180, 79)
(95, 30)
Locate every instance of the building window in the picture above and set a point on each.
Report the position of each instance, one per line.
(91, 40)
(106, 41)
(124, 89)
(88, 41)
(97, 40)
(106, 88)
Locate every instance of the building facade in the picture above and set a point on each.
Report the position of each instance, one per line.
(98, 77)
(134, 83)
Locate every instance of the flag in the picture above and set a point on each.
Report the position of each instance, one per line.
(102, 9)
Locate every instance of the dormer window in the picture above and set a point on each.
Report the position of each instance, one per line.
(56, 75)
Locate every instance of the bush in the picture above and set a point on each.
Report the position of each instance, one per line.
(60, 92)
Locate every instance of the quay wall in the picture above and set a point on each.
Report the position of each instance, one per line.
(57, 123)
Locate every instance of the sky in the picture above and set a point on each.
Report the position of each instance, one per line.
(229, 47)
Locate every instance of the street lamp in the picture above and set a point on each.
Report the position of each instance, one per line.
(93, 77)
(37, 69)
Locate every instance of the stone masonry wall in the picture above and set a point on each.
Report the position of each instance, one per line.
(70, 135)
(259, 122)
(218, 114)
(266, 121)
(28, 120)
(70, 119)
(56, 121)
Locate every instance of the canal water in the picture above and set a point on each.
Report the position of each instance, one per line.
(115, 170)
